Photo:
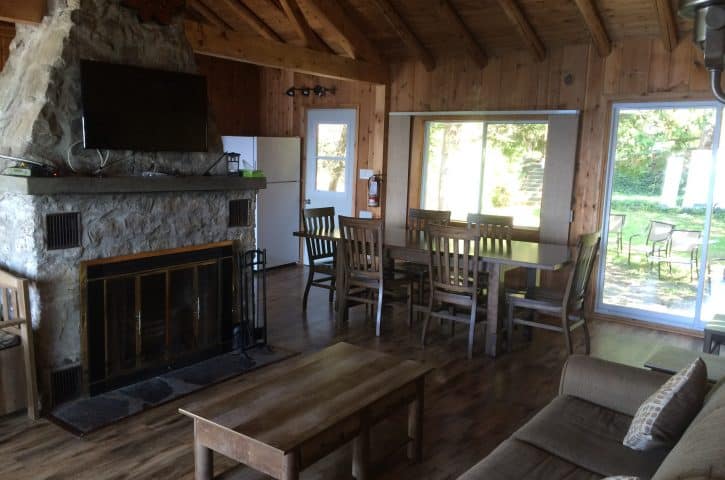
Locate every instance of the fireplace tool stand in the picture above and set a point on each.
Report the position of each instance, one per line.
(251, 300)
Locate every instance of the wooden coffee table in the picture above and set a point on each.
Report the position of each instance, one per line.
(305, 411)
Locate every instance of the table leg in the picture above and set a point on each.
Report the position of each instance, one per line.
(203, 462)
(292, 466)
(361, 454)
(415, 423)
(340, 287)
(494, 284)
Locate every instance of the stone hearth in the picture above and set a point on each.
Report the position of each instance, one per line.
(40, 119)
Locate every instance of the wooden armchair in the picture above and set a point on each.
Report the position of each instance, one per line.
(15, 318)
(568, 304)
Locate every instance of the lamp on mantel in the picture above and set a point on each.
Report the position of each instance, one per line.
(709, 35)
(318, 90)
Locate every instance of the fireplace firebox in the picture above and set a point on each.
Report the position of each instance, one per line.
(149, 313)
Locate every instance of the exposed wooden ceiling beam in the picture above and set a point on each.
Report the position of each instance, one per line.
(23, 11)
(668, 24)
(330, 14)
(230, 9)
(463, 33)
(215, 42)
(406, 34)
(595, 25)
(207, 13)
(303, 29)
(513, 10)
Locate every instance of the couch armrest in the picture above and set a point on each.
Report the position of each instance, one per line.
(612, 385)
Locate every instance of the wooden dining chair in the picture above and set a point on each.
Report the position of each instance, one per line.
(497, 228)
(15, 319)
(418, 220)
(320, 252)
(568, 304)
(361, 251)
(453, 274)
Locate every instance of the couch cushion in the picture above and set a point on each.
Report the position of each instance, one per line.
(589, 436)
(700, 452)
(664, 416)
(515, 460)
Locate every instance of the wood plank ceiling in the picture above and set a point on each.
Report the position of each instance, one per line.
(382, 31)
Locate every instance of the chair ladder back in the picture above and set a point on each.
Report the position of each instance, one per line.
(319, 220)
(362, 246)
(13, 300)
(587, 249)
(419, 218)
(495, 227)
(453, 258)
(15, 312)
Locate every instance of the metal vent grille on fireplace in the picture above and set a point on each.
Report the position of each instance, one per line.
(63, 230)
(65, 384)
(239, 213)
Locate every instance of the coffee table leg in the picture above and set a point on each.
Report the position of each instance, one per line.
(203, 462)
(361, 454)
(415, 423)
(292, 467)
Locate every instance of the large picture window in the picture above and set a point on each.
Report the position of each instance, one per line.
(494, 167)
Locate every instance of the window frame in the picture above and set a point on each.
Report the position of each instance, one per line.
(640, 315)
(421, 130)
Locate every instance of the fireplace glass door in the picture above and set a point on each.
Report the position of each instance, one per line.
(153, 315)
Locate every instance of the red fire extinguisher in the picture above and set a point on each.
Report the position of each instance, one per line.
(374, 190)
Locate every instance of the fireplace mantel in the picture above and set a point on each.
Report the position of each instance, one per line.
(126, 184)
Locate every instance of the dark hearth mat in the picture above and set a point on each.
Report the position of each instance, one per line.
(87, 415)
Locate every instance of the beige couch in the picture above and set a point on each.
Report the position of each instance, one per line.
(578, 436)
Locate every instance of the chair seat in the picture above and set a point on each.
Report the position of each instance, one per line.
(327, 267)
(8, 340)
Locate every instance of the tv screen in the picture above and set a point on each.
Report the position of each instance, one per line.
(132, 108)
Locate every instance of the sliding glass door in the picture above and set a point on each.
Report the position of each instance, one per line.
(663, 248)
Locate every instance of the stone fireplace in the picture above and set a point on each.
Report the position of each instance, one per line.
(122, 214)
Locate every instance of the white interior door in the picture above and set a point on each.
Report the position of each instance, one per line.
(330, 149)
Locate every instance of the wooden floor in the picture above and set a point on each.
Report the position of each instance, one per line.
(471, 406)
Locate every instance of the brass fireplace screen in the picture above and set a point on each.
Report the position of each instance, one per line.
(146, 314)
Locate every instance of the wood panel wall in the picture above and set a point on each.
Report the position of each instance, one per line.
(573, 77)
(281, 115)
(233, 89)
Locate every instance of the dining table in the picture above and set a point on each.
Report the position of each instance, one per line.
(496, 255)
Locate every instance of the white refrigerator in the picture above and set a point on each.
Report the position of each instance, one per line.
(278, 206)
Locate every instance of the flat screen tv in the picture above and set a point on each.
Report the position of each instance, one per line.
(132, 108)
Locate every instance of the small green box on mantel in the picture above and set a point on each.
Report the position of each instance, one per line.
(251, 173)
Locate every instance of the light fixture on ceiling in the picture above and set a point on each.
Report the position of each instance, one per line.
(709, 35)
(318, 90)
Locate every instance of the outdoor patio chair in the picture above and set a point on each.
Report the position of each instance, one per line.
(567, 305)
(616, 227)
(320, 252)
(658, 237)
(683, 248)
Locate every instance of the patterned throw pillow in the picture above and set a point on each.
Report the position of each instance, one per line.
(664, 416)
